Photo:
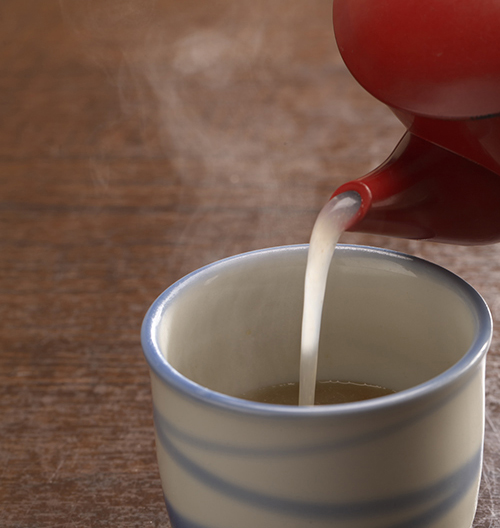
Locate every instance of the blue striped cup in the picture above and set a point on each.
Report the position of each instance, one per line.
(410, 459)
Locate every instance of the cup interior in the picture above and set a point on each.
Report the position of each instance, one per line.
(388, 319)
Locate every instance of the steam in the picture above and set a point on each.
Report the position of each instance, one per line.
(184, 79)
(227, 92)
(204, 92)
(214, 99)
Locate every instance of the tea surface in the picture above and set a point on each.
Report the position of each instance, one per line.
(327, 392)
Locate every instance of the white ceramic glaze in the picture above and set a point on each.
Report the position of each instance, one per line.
(411, 459)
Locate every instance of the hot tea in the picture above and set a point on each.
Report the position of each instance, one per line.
(327, 392)
(332, 220)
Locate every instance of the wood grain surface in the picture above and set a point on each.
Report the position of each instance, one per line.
(139, 140)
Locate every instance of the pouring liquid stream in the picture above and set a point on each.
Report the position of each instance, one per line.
(332, 221)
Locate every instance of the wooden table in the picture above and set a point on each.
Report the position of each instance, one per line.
(140, 140)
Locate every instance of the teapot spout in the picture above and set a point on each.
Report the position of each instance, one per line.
(423, 191)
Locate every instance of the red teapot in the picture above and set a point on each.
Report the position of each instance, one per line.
(436, 65)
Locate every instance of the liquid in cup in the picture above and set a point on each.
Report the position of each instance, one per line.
(412, 458)
(327, 392)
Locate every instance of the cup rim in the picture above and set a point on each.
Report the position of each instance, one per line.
(203, 395)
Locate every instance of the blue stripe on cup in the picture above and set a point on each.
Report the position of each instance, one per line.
(444, 494)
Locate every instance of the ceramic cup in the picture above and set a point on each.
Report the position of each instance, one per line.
(410, 459)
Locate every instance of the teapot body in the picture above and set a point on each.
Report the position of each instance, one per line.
(438, 58)
(436, 64)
